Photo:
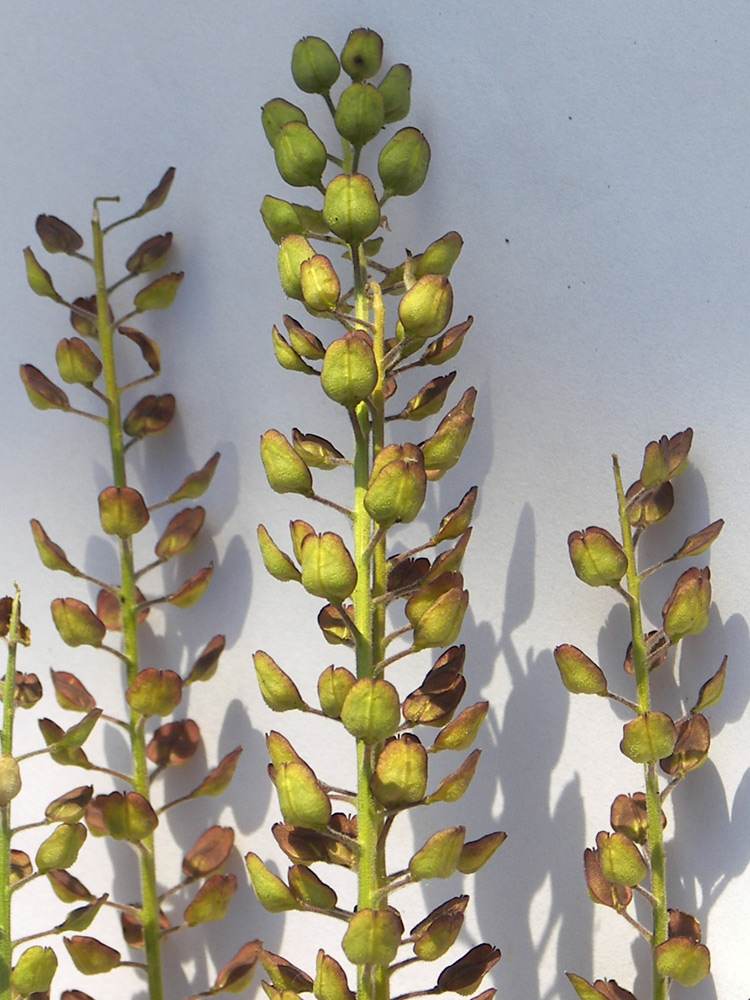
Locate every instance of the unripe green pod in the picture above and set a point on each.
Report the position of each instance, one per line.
(400, 777)
(77, 623)
(309, 889)
(649, 737)
(351, 208)
(287, 356)
(620, 859)
(687, 609)
(396, 90)
(320, 284)
(334, 684)
(360, 114)
(293, 250)
(477, 853)
(280, 218)
(328, 569)
(684, 959)
(273, 894)
(278, 689)
(403, 162)
(34, 971)
(439, 930)
(580, 675)
(373, 937)
(691, 748)
(330, 980)
(278, 563)
(444, 449)
(91, 957)
(76, 362)
(439, 856)
(461, 733)
(10, 778)
(316, 451)
(350, 371)
(629, 815)
(315, 66)
(61, 848)
(372, 710)
(301, 799)
(362, 55)
(426, 308)
(122, 511)
(598, 558)
(397, 486)
(285, 470)
(441, 623)
(276, 114)
(300, 155)
(439, 257)
(299, 530)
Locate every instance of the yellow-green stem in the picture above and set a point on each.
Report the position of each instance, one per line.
(129, 608)
(373, 983)
(657, 856)
(6, 948)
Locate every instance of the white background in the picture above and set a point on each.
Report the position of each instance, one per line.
(594, 157)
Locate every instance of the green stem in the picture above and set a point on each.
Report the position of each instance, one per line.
(128, 604)
(369, 619)
(660, 917)
(6, 943)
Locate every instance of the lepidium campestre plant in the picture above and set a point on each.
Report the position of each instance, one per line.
(630, 861)
(374, 594)
(130, 814)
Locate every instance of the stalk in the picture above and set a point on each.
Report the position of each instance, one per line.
(657, 856)
(128, 604)
(6, 945)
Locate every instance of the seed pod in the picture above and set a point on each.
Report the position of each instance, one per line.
(301, 799)
(373, 937)
(372, 710)
(315, 66)
(439, 930)
(317, 452)
(350, 372)
(76, 622)
(61, 848)
(285, 470)
(328, 569)
(276, 114)
(666, 458)
(691, 749)
(279, 691)
(278, 563)
(351, 208)
(476, 853)
(629, 815)
(400, 777)
(76, 362)
(293, 250)
(330, 980)
(273, 893)
(50, 552)
(397, 485)
(426, 308)
(90, 956)
(683, 959)
(396, 90)
(360, 114)
(439, 257)
(309, 889)
(10, 778)
(686, 611)
(362, 54)
(580, 675)
(465, 975)
(34, 971)
(285, 354)
(42, 393)
(320, 284)
(334, 684)
(598, 558)
(403, 163)
(439, 856)
(280, 218)
(122, 511)
(461, 733)
(621, 861)
(649, 737)
(300, 155)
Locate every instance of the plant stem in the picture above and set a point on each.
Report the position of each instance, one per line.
(653, 798)
(6, 945)
(128, 604)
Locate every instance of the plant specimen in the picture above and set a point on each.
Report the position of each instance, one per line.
(361, 579)
(88, 361)
(632, 859)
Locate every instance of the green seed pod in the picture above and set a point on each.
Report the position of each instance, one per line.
(91, 957)
(330, 980)
(50, 552)
(122, 511)
(580, 675)
(691, 749)
(683, 959)
(61, 848)
(461, 733)
(328, 569)
(306, 344)
(620, 859)
(397, 486)
(439, 930)
(477, 853)
(441, 623)
(351, 208)
(280, 750)
(373, 937)
(396, 90)
(285, 470)
(360, 114)
(273, 894)
(372, 710)
(301, 798)
(278, 689)
(439, 856)
(280, 218)
(334, 684)
(300, 155)
(287, 356)
(76, 362)
(350, 371)
(666, 458)
(629, 815)
(454, 786)
(276, 114)
(299, 530)
(403, 163)
(154, 692)
(10, 778)
(400, 777)
(42, 393)
(439, 257)
(309, 889)
(278, 563)
(293, 250)
(315, 66)
(426, 308)
(34, 971)
(687, 609)
(648, 738)
(598, 558)
(320, 284)
(316, 451)
(362, 55)
(76, 622)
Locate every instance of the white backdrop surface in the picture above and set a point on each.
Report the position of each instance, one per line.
(594, 157)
